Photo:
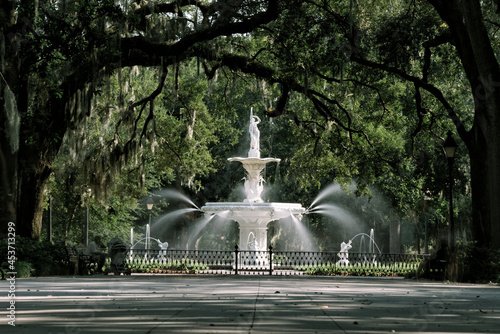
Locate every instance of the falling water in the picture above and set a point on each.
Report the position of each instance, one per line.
(195, 230)
(148, 236)
(304, 235)
(146, 240)
(362, 244)
(371, 244)
(372, 240)
(166, 220)
(131, 236)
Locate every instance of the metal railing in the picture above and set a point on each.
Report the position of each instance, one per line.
(271, 262)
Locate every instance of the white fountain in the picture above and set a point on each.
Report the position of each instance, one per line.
(253, 214)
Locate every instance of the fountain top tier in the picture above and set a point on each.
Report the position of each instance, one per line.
(254, 164)
(254, 182)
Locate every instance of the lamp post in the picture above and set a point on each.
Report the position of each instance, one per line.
(450, 147)
(149, 204)
(89, 194)
(427, 199)
(49, 229)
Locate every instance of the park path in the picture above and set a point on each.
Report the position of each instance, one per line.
(248, 304)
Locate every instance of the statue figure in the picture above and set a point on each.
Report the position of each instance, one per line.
(163, 250)
(254, 136)
(344, 253)
(253, 245)
(260, 186)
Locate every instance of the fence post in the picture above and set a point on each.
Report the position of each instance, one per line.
(236, 259)
(270, 259)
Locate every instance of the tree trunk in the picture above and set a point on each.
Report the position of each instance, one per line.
(30, 204)
(473, 45)
(8, 169)
(9, 114)
(484, 150)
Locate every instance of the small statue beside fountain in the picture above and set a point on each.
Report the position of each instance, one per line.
(344, 253)
(163, 250)
(253, 245)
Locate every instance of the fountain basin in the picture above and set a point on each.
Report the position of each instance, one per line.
(242, 211)
(254, 161)
(253, 218)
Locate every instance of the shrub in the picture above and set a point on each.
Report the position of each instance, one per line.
(481, 265)
(43, 257)
(24, 269)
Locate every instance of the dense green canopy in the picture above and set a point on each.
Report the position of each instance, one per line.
(102, 101)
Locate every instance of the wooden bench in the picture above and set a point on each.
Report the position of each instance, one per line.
(78, 262)
(72, 258)
(436, 268)
(85, 264)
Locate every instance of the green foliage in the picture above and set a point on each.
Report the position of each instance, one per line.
(34, 258)
(368, 135)
(397, 269)
(156, 266)
(480, 264)
(24, 269)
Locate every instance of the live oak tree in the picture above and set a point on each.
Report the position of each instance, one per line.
(469, 30)
(55, 56)
(376, 74)
(440, 53)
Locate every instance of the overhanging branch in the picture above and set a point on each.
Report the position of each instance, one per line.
(436, 92)
(153, 50)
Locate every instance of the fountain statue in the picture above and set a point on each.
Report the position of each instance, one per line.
(252, 245)
(254, 151)
(253, 164)
(344, 253)
(253, 214)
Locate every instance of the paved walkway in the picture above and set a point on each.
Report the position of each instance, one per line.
(247, 304)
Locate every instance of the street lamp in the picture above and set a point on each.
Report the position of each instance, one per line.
(450, 147)
(150, 203)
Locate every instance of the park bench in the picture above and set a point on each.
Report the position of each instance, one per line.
(435, 268)
(78, 262)
(72, 258)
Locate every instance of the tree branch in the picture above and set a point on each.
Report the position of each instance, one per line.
(436, 92)
(173, 7)
(439, 40)
(132, 46)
